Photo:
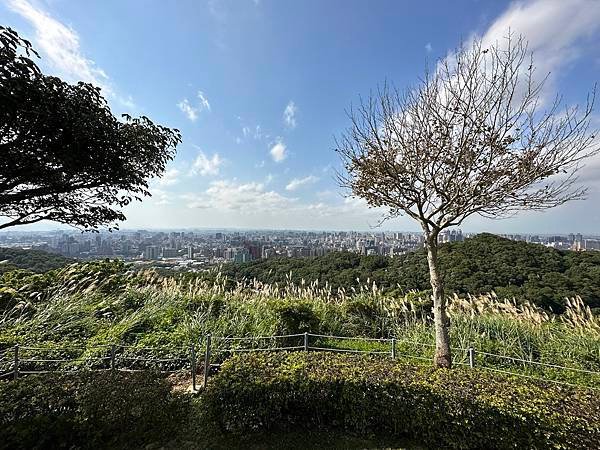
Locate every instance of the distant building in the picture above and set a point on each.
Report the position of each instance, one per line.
(170, 253)
(451, 236)
(591, 244)
(151, 252)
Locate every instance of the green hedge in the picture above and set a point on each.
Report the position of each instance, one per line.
(89, 410)
(258, 398)
(461, 408)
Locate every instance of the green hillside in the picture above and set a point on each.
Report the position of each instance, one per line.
(34, 260)
(484, 263)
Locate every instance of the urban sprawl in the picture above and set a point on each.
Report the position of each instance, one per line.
(198, 249)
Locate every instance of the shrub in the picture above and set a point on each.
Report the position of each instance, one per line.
(295, 316)
(363, 317)
(461, 408)
(89, 410)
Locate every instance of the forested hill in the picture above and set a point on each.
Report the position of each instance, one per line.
(34, 260)
(483, 263)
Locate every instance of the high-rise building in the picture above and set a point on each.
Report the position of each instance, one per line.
(170, 253)
(151, 252)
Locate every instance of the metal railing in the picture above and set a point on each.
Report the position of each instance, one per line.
(468, 357)
(24, 360)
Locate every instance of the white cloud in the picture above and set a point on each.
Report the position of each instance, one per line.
(203, 100)
(299, 182)
(161, 197)
(289, 115)
(59, 44)
(207, 166)
(556, 30)
(188, 110)
(428, 47)
(278, 152)
(245, 131)
(250, 198)
(169, 178)
(192, 111)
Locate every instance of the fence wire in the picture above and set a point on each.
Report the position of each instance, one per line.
(19, 360)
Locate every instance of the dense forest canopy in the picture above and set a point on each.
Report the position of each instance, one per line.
(34, 260)
(484, 263)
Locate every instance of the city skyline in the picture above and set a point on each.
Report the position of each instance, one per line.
(259, 106)
(199, 250)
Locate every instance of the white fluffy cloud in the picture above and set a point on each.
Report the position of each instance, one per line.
(169, 178)
(160, 197)
(254, 199)
(204, 165)
(299, 182)
(242, 197)
(289, 115)
(278, 152)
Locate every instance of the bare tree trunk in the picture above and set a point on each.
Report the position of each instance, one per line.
(441, 321)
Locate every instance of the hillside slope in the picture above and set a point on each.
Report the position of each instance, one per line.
(484, 263)
(35, 260)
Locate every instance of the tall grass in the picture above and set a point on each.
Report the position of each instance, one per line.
(92, 304)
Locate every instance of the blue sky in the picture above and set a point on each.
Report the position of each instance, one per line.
(259, 89)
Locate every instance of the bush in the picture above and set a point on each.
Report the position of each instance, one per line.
(461, 408)
(295, 316)
(89, 410)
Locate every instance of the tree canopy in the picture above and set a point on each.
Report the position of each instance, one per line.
(472, 138)
(543, 276)
(65, 156)
(32, 260)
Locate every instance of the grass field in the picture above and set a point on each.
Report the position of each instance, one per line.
(74, 312)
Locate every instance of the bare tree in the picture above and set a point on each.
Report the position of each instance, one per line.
(476, 136)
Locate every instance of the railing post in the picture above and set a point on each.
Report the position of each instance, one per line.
(112, 357)
(305, 341)
(193, 366)
(16, 368)
(393, 348)
(206, 361)
(471, 357)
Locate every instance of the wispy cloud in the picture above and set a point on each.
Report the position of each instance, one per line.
(188, 110)
(299, 182)
(289, 115)
(192, 110)
(203, 101)
(204, 165)
(60, 46)
(278, 152)
(557, 31)
(428, 47)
